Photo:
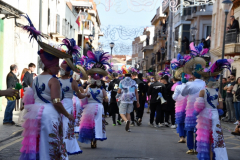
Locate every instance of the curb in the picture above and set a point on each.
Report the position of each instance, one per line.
(14, 134)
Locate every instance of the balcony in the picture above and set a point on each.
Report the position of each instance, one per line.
(188, 18)
(155, 39)
(232, 45)
(232, 36)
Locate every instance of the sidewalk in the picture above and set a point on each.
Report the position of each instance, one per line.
(9, 131)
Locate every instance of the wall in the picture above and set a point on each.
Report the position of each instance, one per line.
(1, 56)
(17, 49)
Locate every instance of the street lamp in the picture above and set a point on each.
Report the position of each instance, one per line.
(193, 32)
(226, 6)
(83, 18)
(111, 46)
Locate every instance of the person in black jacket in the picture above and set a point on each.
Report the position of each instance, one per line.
(28, 76)
(155, 102)
(105, 104)
(169, 108)
(11, 83)
(143, 88)
(235, 24)
(113, 87)
(141, 91)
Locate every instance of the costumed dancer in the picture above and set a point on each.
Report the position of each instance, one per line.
(180, 107)
(181, 102)
(69, 86)
(208, 107)
(77, 107)
(78, 103)
(192, 90)
(43, 135)
(92, 124)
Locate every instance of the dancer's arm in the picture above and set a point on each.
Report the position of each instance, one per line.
(220, 101)
(78, 92)
(105, 97)
(201, 93)
(176, 93)
(55, 89)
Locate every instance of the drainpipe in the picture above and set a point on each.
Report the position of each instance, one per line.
(40, 29)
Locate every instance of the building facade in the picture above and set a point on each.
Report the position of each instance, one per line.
(232, 45)
(54, 18)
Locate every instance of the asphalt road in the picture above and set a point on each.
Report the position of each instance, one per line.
(143, 143)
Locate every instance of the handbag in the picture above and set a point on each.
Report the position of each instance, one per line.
(237, 94)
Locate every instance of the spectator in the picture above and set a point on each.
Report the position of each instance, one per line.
(229, 99)
(224, 82)
(205, 45)
(234, 24)
(28, 76)
(186, 44)
(228, 79)
(208, 40)
(228, 27)
(11, 83)
(236, 100)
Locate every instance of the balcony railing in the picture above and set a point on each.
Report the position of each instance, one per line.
(165, 5)
(232, 36)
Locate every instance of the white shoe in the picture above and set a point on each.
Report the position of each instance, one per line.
(173, 126)
(166, 124)
(236, 122)
(160, 125)
(152, 125)
(129, 130)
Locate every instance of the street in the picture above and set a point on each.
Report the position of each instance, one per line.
(140, 144)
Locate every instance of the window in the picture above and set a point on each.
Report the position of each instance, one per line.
(49, 17)
(63, 27)
(58, 23)
(208, 31)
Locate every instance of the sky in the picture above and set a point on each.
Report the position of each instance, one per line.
(123, 20)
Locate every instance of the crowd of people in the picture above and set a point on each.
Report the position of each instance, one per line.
(73, 98)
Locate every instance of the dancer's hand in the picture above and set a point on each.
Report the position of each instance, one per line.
(88, 95)
(70, 117)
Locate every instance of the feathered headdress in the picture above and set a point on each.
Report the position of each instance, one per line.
(164, 72)
(99, 59)
(179, 61)
(33, 33)
(216, 68)
(73, 49)
(198, 51)
(132, 70)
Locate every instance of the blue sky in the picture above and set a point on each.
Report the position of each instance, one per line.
(124, 21)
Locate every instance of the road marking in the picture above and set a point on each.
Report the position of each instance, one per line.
(9, 144)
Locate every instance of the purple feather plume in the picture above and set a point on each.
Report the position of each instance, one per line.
(73, 49)
(220, 64)
(33, 33)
